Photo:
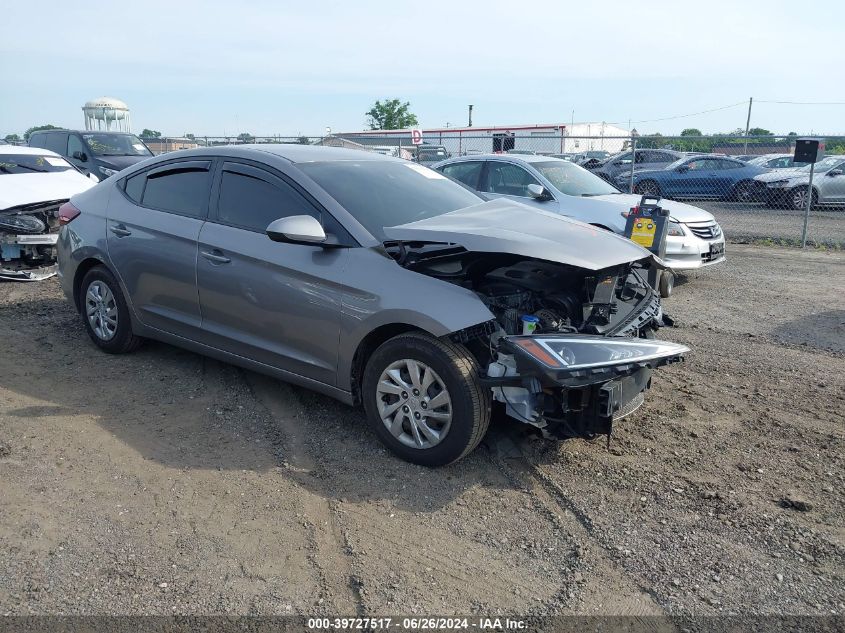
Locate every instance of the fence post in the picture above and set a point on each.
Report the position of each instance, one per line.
(807, 207)
(633, 160)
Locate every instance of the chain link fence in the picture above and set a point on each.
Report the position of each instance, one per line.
(748, 183)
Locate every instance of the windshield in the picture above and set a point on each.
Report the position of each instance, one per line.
(380, 193)
(31, 164)
(573, 180)
(116, 145)
(824, 165)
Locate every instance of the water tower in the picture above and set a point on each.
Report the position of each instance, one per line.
(106, 113)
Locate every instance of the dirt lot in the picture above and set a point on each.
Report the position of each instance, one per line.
(162, 482)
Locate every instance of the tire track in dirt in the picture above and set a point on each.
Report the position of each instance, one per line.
(609, 589)
(328, 547)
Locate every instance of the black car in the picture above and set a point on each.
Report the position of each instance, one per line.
(92, 151)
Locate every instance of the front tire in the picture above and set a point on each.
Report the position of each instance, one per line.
(745, 192)
(105, 313)
(424, 399)
(666, 284)
(798, 199)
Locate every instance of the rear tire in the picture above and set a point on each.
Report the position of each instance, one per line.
(105, 313)
(647, 188)
(395, 399)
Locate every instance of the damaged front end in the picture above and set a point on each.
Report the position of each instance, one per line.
(590, 350)
(28, 236)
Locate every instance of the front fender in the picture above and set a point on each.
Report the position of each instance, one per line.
(380, 292)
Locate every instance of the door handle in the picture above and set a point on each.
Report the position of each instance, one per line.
(120, 230)
(215, 257)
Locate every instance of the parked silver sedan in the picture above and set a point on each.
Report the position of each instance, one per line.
(374, 280)
(695, 239)
(788, 187)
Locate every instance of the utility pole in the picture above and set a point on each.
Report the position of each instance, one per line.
(748, 122)
(470, 116)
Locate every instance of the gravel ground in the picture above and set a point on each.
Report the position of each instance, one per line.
(826, 225)
(162, 482)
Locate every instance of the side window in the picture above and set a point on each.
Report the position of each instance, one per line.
(663, 157)
(179, 188)
(250, 202)
(508, 179)
(37, 140)
(466, 173)
(74, 145)
(57, 142)
(703, 164)
(134, 187)
(644, 157)
(785, 161)
(729, 164)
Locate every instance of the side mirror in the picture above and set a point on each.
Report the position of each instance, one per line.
(682, 169)
(80, 156)
(835, 172)
(297, 229)
(538, 192)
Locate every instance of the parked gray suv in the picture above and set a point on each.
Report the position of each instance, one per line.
(93, 152)
(371, 279)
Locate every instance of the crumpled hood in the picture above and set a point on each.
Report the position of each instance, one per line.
(504, 226)
(18, 189)
(679, 211)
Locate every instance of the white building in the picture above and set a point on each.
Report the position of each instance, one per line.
(544, 139)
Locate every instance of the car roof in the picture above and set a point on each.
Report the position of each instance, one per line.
(65, 131)
(516, 158)
(292, 152)
(24, 149)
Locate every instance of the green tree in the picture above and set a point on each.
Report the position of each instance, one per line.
(12, 138)
(759, 131)
(691, 131)
(390, 115)
(304, 140)
(38, 128)
(148, 133)
(190, 136)
(246, 137)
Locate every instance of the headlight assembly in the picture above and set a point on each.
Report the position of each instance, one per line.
(675, 229)
(589, 352)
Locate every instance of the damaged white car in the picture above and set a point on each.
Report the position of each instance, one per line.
(34, 183)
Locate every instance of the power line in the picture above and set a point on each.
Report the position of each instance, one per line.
(805, 102)
(684, 116)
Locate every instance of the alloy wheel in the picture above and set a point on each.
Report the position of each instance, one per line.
(101, 310)
(414, 404)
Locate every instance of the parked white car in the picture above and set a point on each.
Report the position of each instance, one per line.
(695, 239)
(34, 183)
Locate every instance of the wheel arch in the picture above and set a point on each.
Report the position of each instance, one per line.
(370, 344)
(81, 270)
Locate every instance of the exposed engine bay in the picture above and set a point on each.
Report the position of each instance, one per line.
(589, 353)
(28, 235)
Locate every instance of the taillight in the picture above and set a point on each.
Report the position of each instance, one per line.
(67, 212)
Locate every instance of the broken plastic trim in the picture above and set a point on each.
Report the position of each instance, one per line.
(32, 274)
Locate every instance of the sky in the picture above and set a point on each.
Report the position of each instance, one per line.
(290, 68)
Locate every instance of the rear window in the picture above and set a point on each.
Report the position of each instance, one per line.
(184, 191)
(31, 164)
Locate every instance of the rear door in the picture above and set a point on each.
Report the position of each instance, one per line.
(833, 185)
(272, 302)
(467, 172)
(154, 220)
